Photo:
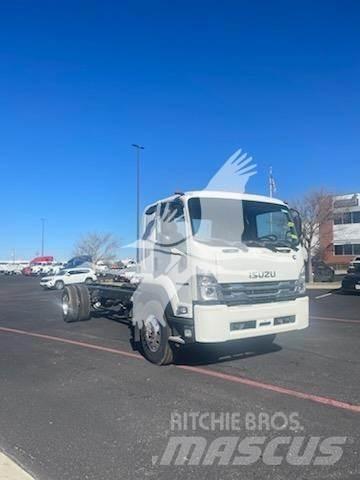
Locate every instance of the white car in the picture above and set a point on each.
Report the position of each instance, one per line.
(67, 277)
(126, 274)
(12, 270)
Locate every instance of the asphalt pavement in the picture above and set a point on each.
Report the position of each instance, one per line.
(77, 402)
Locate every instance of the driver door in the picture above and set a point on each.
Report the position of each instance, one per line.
(170, 255)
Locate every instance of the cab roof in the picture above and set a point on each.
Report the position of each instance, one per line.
(220, 194)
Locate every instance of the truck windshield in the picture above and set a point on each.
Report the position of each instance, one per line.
(222, 221)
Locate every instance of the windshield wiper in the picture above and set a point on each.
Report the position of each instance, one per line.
(286, 244)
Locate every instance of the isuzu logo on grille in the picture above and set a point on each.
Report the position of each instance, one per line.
(266, 274)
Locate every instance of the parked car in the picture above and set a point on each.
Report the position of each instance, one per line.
(67, 277)
(351, 281)
(126, 274)
(355, 262)
(77, 261)
(101, 269)
(323, 272)
(12, 270)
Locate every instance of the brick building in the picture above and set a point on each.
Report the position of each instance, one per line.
(340, 237)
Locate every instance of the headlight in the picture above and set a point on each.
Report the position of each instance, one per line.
(300, 286)
(208, 288)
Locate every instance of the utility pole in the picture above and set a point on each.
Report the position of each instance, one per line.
(138, 149)
(42, 236)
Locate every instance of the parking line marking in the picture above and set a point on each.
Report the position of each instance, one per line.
(274, 388)
(202, 371)
(72, 342)
(323, 296)
(332, 319)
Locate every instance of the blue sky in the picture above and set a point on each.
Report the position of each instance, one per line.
(192, 81)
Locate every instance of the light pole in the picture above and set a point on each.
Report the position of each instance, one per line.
(138, 148)
(42, 236)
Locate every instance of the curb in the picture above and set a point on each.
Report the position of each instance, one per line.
(323, 286)
(9, 470)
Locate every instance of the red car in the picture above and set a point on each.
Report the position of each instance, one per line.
(34, 261)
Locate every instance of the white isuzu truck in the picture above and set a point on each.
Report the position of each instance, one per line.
(213, 267)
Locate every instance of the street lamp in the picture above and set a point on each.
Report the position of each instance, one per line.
(138, 148)
(42, 235)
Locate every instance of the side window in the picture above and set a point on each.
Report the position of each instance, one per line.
(356, 250)
(338, 249)
(148, 235)
(171, 228)
(356, 217)
(347, 217)
(338, 219)
(271, 223)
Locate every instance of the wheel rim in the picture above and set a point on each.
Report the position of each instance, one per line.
(152, 333)
(65, 305)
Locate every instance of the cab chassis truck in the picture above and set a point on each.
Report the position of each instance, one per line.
(214, 267)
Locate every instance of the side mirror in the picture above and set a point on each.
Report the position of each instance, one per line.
(67, 274)
(297, 221)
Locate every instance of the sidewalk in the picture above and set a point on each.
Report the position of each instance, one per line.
(323, 286)
(10, 471)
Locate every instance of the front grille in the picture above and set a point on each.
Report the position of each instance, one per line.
(258, 292)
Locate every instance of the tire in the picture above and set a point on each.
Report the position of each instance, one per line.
(59, 285)
(346, 292)
(88, 281)
(154, 334)
(70, 304)
(84, 302)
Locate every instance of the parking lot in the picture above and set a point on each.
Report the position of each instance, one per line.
(77, 402)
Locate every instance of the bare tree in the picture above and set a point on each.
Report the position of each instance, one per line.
(316, 210)
(98, 246)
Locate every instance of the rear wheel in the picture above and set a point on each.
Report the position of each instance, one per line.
(70, 304)
(59, 285)
(154, 334)
(84, 302)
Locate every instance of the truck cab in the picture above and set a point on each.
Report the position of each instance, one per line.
(217, 267)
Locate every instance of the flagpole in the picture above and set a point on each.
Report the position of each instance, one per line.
(270, 183)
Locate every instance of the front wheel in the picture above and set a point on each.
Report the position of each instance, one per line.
(154, 334)
(89, 281)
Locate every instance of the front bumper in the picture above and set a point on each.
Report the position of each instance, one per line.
(215, 323)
